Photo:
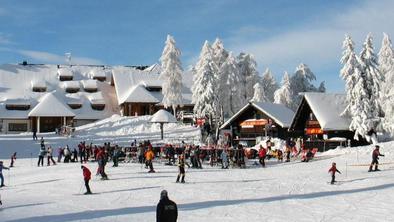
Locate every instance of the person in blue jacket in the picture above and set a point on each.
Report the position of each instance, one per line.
(1, 173)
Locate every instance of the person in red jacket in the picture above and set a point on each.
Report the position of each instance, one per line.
(333, 170)
(262, 154)
(86, 177)
(375, 158)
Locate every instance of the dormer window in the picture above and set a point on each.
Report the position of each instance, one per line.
(74, 105)
(97, 101)
(65, 74)
(17, 104)
(71, 86)
(89, 85)
(98, 74)
(38, 86)
(153, 88)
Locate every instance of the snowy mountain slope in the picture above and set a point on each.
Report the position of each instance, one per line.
(280, 192)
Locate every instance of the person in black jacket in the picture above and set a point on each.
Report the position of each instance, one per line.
(166, 210)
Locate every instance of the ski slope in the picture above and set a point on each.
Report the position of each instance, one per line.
(292, 191)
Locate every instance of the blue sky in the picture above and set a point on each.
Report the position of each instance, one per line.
(281, 34)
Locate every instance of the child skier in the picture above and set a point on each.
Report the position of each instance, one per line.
(375, 158)
(1, 173)
(333, 170)
(181, 165)
(86, 177)
(13, 158)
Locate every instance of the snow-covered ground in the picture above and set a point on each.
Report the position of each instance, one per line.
(292, 191)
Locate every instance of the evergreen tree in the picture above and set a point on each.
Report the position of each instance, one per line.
(204, 82)
(283, 95)
(301, 82)
(350, 63)
(366, 115)
(171, 74)
(249, 75)
(386, 67)
(259, 95)
(229, 84)
(269, 84)
(219, 53)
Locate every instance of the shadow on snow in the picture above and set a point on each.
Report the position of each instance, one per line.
(93, 214)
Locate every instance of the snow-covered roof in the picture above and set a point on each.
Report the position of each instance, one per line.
(138, 94)
(89, 84)
(282, 115)
(327, 108)
(16, 83)
(126, 78)
(163, 116)
(50, 106)
(96, 98)
(38, 83)
(71, 85)
(278, 112)
(65, 72)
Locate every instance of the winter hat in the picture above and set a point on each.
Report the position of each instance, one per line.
(163, 194)
(377, 146)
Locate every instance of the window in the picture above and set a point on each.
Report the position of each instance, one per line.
(98, 106)
(91, 90)
(100, 78)
(17, 107)
(19, 127)
(153, 88)
(65, 78)
(39, 89)
(75, 106)
(72, 90)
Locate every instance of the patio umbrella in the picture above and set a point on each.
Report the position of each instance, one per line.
(162, 116)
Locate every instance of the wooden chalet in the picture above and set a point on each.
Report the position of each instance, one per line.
(319, 121)
(259, 120)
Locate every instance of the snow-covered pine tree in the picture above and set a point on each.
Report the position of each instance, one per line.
(386, 63)
(269, 84)
(301, 82)
(350, 63)
(283, 95)
(220, 54)
(259, 94)
(229, 84)
(171, 74)
(204, 82)
(372, 83)
(386, 67)
(249, 75)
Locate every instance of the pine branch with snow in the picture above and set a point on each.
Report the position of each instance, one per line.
(171, 74)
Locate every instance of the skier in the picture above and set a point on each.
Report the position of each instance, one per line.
(167, 210)
(50, 157)
(13, 159)
(1, 173)
(375, 158)
(67, 154)
(333, 170)
(101, 161)
(86, 177)
(224, 157)
(41, 155)
(75, 156)
(60, 154)
(288, 151)
(181, 165)
(42, 142)
(149, 158)
(34, 134)
(262, 154)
